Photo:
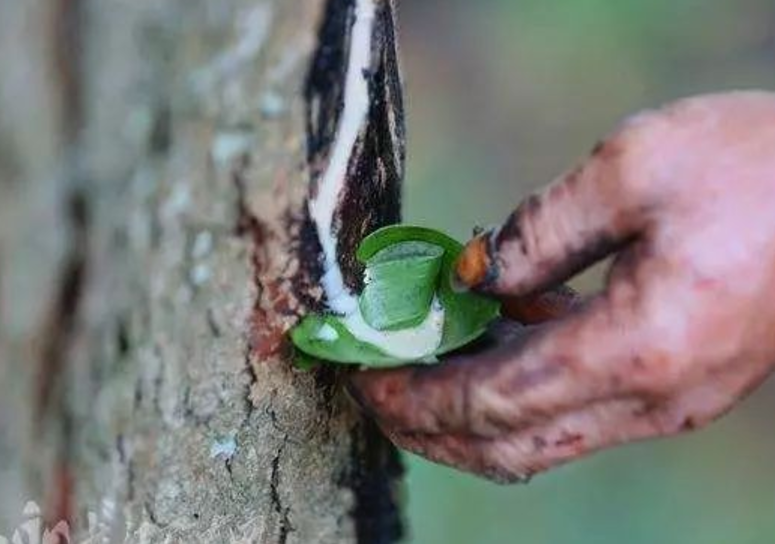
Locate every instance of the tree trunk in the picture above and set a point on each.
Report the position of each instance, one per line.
(155, 247)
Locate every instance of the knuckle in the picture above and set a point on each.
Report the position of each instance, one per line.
(385, 397)
(668, 353)
(632, 155)
(486, 411)
(682, 421)
(658, 373)
(513, 461)
(376, 394)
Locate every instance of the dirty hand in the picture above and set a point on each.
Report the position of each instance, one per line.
(685, 327)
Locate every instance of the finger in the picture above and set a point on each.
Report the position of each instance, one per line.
(600, 349)
(579, 433)
(518, 456)
(584, 215)
(575, 434)
(546, 306)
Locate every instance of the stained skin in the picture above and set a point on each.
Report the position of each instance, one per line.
(684, 197)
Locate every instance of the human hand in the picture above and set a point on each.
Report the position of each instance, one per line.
(685, 327)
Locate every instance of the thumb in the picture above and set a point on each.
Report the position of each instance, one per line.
(577, 220)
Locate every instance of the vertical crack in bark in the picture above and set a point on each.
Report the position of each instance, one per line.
(58, 335)
(284, 512)
(276, 304)
(66, 46)
(62, 319)
(59, 329)
(253, 379)
(249, 226)
(151, 514)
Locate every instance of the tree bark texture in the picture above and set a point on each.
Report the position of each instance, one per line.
(155, 247)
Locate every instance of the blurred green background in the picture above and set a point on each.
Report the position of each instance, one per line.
(502, 96)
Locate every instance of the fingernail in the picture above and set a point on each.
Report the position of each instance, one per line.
(474, 268)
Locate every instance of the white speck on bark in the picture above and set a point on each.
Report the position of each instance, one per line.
(230, 145)
(224, 448)
(203, 244)
(272, 105)
(200, 274)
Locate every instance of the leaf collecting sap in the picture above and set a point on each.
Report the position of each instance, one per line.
(407, 312)
(401, 282)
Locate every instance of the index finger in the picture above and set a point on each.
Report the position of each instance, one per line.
(587, 213)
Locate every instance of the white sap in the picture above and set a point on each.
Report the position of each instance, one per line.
(330, 186)
(409, 344)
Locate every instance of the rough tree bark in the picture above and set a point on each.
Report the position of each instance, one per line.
(154, 249)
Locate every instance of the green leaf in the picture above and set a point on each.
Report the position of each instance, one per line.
(405, 267)
(400, 284)
(325, 337)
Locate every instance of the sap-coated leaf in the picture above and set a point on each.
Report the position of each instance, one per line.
(325, 337)
(466, 314)
(401, 281)
(406, 266)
